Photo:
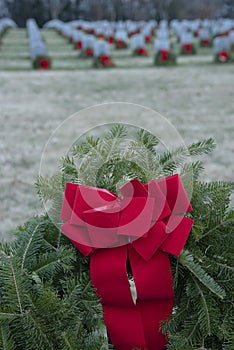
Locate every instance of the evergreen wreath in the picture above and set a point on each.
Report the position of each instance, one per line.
(39, 59)
(193, 50)
(228, 57)
(103, 61)
(46, 297)
(171, 60)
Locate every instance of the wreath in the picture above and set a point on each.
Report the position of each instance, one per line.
(47, 299)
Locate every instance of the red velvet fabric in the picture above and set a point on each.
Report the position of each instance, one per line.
(188, 48)
(44, 63)
(89, 52)
(142, 51)
(106, 61)
(142, 227)
(164, 55)
(223, 56)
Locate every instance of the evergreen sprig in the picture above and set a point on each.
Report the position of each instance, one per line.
(46, 298)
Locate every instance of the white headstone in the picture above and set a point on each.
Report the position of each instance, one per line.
(163, 34)
(204, 34)
(186, 38)
(77, 35)
(221, 43)
(121, 34)
(101, 47)
(231, 37)
(137, 41)
(161, 45)
(88, 42)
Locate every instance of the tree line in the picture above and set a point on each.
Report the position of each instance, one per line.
(114, 10)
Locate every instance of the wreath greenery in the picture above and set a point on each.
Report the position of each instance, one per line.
(46, 297)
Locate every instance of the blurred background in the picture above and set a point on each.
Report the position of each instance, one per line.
(113, 10)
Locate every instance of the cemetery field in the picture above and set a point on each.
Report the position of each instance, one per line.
(196, 96)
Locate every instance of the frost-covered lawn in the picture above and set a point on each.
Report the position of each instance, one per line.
(196, 97)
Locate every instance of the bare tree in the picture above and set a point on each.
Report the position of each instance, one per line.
(56, 7)
(43, 10)
(4, 11)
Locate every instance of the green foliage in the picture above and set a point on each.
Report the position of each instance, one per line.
(204, 273)
(47, 300)
(46, 297)
(171, 60)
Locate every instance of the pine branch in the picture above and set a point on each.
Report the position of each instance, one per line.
(204, 316)
(53, 262)
(16, 286)
(201, 147)
(221, 225)
(27, 248)
(6, 341)
(38, 339)
(148, 140)
(187, 260)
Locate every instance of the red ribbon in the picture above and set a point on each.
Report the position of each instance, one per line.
(142, 51)
(89, 52)
(111, 39)
(148, 39)
(142, 227)
(164, 55)
(106, 61)
(223, 56)
(121, 44)
(44, 63)
(188, 48)
(79, 44)
(205, 42)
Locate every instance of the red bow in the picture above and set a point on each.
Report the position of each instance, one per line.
(164, 55)
(89, 52)
(111, 39)
(44, 63)
(142, 51)
(79, 44)
(150, 217)
(120, 44)
(188, 47)
(205, 42)
(223, 56)
(106, 61)
(148, 39)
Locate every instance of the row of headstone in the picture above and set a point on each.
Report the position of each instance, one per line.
(86, 42)
(37, 47)
(100, 28)
(137, 34)
(215, 27)
(90, 47)
(108, 30)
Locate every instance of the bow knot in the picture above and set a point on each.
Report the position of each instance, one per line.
(149, 216)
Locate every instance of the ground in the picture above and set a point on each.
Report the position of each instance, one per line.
(196, 96)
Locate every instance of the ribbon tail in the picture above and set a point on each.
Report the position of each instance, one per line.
(122, 318)
(155, 294)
